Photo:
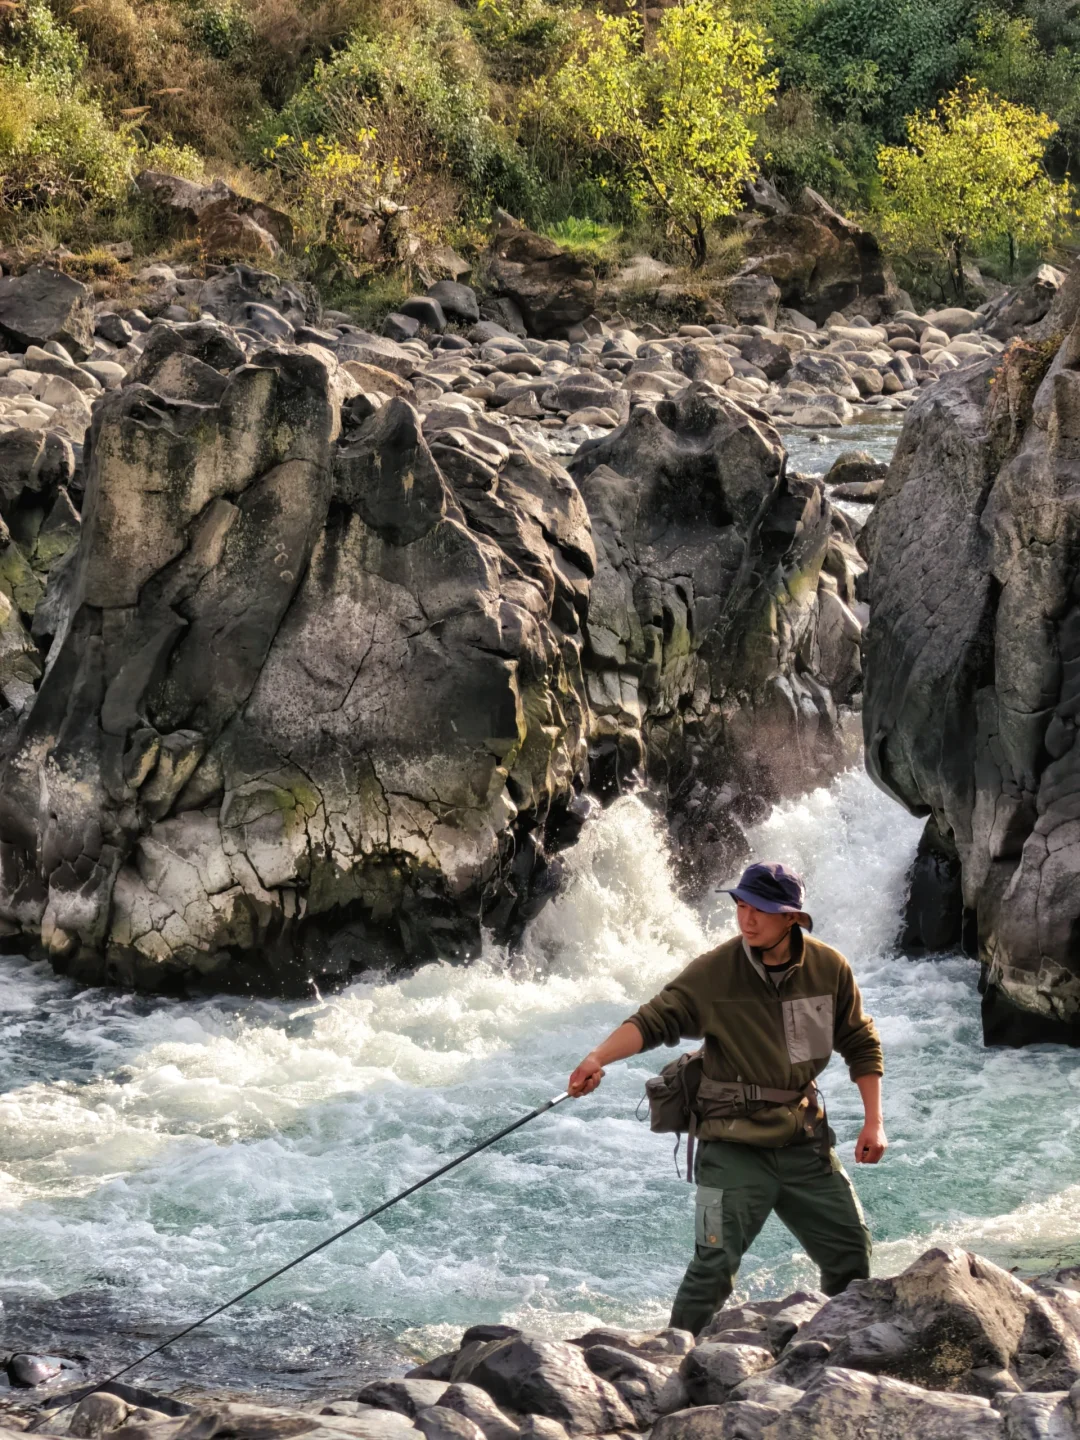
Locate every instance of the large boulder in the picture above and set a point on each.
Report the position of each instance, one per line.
(820, 261)
(722, 642)
(215, 213)
(972, 659)
(1024, 305)
(552, 288)
(952, 1321)
(309, 704)
(44, 304)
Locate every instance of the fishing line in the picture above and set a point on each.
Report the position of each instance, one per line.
(322, 1245)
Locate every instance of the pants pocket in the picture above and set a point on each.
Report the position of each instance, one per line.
(709, 1217)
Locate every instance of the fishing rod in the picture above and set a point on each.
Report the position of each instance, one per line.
(322, 1245)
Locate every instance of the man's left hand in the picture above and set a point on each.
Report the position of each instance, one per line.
(871, 1144)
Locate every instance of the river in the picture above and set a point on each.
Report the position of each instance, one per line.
(158, 1155)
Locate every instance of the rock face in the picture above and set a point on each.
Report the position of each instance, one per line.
(721, 638)
(973, 653)
(226, 222)
(290, 686)
(821, 262)
(308, 658)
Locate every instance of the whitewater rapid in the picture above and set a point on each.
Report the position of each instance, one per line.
(158, 1155)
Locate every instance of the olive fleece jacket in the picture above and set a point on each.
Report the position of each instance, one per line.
(780, 1035)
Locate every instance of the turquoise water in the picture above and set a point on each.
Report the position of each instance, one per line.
(811, 452)
(156, 1156)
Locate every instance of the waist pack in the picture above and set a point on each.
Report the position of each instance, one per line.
(682, 1096)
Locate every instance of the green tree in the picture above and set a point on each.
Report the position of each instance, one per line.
(972, 172)
(672, 110)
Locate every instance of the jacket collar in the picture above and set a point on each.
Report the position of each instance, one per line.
(798, 949)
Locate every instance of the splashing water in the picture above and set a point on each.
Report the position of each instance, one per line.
(157, 1156)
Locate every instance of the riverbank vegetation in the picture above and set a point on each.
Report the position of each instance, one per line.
(627, 128)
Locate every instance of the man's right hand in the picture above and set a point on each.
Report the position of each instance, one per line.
(586, 1077)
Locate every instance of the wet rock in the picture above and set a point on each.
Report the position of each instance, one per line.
(43, 305)
(863, 493)
(456, 301)
(713, 1369)
(674, 493)
(28, 1371)
(934, 910)
(547, 1378)
(855, 467)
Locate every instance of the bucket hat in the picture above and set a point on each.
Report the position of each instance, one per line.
(774, 888)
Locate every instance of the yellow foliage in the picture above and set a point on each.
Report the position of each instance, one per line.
(972, 172)
(673, 109)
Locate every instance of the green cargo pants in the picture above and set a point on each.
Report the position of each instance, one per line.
(739, 1186)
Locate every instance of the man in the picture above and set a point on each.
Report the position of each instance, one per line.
(771, 1006)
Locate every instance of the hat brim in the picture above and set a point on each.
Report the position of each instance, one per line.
(771, 907)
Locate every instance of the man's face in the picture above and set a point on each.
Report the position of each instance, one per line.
(761, 929)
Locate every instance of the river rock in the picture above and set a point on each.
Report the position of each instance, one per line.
(551, 288)
(44, 304)
(548, 1378)
(946, 1322)
(477, 1405)
(456, 302)
(970, 696)
(97, 1414)
(742, 1420)
(820, 262)
(405, 1396)
(644, 1387)
(437, 1423)
(847, 1405)
(713, 1369)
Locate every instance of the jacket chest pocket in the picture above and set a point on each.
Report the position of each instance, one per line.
(808, 1028)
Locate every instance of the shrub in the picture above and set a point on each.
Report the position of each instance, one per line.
(672, 112)
(972, 171)
(420, 107)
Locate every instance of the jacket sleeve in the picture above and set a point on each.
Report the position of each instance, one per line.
(855, 1034)
(673, 1015)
